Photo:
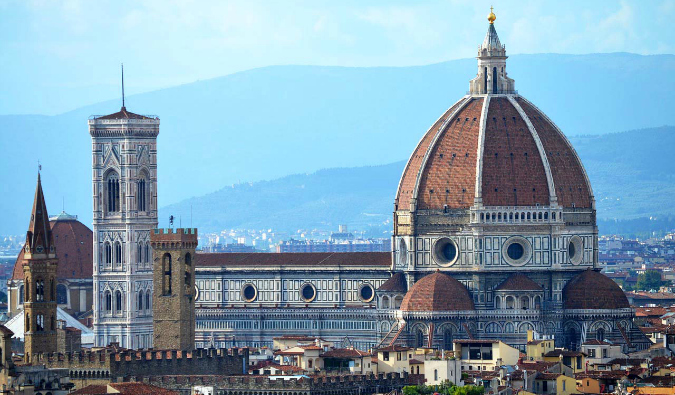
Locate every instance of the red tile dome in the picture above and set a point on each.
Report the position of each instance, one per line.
(73, 242)
(437, 292)
(499, 148)
(595, 291)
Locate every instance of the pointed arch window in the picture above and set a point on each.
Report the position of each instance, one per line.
(40, 322)
(113, 192)
(140, 301)
(40, 290)
(419, 343)
(108, 302)
(61, 294)
(148, 298)
(118, 302)
(118, 252)
(147, 252)
(447, 339)
(107, 253)
(142, 193)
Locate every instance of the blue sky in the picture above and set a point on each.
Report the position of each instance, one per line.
(59, 55)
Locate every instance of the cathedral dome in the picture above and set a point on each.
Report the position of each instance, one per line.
(493, 148)
(593, 290)
(73, 242)
(437, 292)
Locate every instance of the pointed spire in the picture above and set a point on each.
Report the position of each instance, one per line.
(123, 106)
(39, 235)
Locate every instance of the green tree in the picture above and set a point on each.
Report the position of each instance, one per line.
(650, 279)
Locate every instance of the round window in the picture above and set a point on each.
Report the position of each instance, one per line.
(39, 248)
(366, 292)
(445, 251)
(249, 292)
(307, 292)
(517, 251)
(575, 250)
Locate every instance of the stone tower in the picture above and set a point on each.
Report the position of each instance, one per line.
(174, 296)
(39, 270)
(124, 178)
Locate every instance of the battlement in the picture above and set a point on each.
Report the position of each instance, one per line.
(174, 237)
(154, 362)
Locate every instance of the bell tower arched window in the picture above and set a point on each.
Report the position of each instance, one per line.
(166, 269)
(141, 194)
(113, 192)
(494, 80)
(107, 253)
(118, 252)
(118, 302)
(39, 290)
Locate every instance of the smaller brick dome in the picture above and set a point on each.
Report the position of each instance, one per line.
(437, 292)
(593, 290)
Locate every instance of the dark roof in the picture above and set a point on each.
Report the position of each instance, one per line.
(437, 292)
(73, 242)
(393, 348)
(344, 353)
(482, 341)
(6, 331)
(518, 282)
(39, 233)
(627, 361)
(316, 259)
(123, 114)
(396, 283)
(595, 291)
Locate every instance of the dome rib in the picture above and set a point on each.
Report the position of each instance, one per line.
(407, 187)
(573, 187)
(542, 152)
(437, 292)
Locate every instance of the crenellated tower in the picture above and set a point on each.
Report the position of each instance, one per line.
(174, 279)
(124, 178)
(39, 269)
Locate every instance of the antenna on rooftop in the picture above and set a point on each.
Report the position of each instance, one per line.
(122, 85)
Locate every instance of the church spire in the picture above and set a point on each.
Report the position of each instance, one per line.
(39, 236)
(492, 77)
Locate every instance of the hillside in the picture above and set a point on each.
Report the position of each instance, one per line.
(266, 123)
(629, 171)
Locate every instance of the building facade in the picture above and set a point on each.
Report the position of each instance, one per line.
(124, 178)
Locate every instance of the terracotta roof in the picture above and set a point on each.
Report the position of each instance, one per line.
(442, 170)
(73, 242)
(518, 282)
(539, 366)
(415, 362)
(316, 259)
(125, 389)
(437, 292)
(123, 114)
(595, 291)
(396, 283)
(345, 353)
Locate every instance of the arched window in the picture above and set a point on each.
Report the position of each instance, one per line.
(485, 85)
(107, 253)
(61, 294)
(53, 320)
(537, 302)
(147, 252)
(118, 302)
(508, 328)
(447, 339)
(385, 302)
(141, 197)
(113, 192)
(166, 267)
(498, 302)
(510, 303)
(39, 290)
(40, 322)
(600, 334)
(21, 294)
(494, 80)
(188, 273)
(419, 339)
(139, 252)
(108, 301)
(28, 328)
(118, 252)
(525, 303)
(572, 339)
(147, 300)
(52, 290)
(140, 300)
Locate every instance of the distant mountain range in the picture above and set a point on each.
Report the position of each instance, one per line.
(631, 174)
(266, 123)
